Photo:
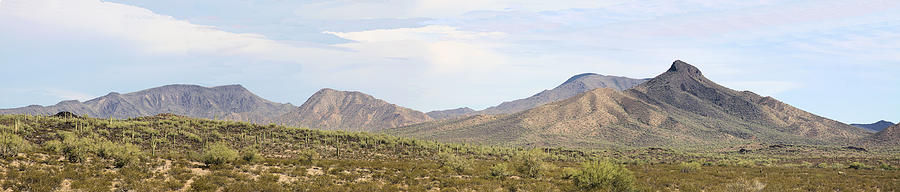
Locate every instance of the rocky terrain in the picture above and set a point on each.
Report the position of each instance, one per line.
(331, 109)
(890, 135)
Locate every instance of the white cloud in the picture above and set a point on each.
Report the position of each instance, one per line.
(350, 9)
(443, 49)
(149, 32)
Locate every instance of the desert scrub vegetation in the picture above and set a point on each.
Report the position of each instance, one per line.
(603, 176)
(218, 153)
(687, 167)
(11, 144)
(170, 153)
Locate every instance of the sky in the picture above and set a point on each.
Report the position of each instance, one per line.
(837, 59)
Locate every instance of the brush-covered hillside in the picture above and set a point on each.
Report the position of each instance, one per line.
(175, 153)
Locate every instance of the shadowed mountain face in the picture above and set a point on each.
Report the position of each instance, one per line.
(450, 113)
(330, 109)
(232, 102)
(680, 107)
(875, 127)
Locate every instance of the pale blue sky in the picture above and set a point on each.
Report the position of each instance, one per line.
(838, 59)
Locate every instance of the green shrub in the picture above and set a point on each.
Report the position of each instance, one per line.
(885, 166)
(55, 146)
(690, 167)
(453, 162)
(500, 170)
(11, 144)
(822, 165)
(32, 179)
(307, 156)
(857, 165)
(218, 153)
(604, 176)
(531, 164)
(127, 154)
(250, 154)
(76, 152)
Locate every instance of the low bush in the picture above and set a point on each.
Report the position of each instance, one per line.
(500, 170)
(218, 153)
(250, 154)
(11, 144)
(307, 156)
(690, 167)
(858, 165)
(127, 154)
(531, 164)
(453, 162)
(604, 176)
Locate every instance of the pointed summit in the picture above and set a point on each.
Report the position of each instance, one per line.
(681, 67)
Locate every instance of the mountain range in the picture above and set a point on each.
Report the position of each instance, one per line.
(231, 102)
(680, 107)
(875, 127)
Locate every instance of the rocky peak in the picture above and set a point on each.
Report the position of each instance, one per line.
(682, 67)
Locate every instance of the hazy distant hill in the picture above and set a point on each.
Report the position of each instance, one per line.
(573, 86)
(232, 102)
(680, 107)
(331, 109)
(875, 127)
(450, 113)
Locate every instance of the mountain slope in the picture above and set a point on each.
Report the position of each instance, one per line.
(331, 109)
(677, 108)
(875, 127)
(573, 86)
(233, 102)
(890, 135)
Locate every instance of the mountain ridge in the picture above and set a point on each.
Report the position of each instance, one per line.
(330, 109)
(233, 102)
(679, 107)
(875, 127)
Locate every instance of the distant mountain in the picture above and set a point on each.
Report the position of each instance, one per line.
(875, 127)
(680, 107)
(450, 113)
(233, 102)
(331, 109)
(573, 86)
(889, 135)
